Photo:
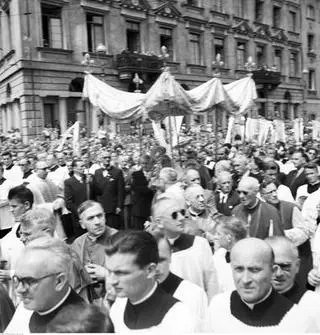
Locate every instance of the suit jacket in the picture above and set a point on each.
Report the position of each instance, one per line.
(294, 182)
(109, 190)
(226, 208)
(142, 195)
(75, 193)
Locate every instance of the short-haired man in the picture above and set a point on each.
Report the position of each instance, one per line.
(312, 174)
(226, 198)
(284, 280)
(262, 218)
(200, 218)
(25, 168)
(254, 306)
(90, 246)
(297, 177)
(294, 226)
(20, 201)
(131, 261)
(192, 256)
(190, 294)
(76, 191)
(142, 194)
(42, 285)
(108, 189)
(11, 172)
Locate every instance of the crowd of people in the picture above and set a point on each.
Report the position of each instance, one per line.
(214, 237)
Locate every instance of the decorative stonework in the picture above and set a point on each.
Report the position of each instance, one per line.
(242, 28)
(167, 10)
(140, 5)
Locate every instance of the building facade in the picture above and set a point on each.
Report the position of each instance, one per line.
(43, 44)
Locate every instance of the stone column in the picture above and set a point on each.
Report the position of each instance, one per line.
(63, 116)
(9, 116)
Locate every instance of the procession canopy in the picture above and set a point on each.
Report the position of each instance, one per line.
(167, 97)
(115, 103)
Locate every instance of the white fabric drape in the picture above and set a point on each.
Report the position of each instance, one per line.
(315, 129)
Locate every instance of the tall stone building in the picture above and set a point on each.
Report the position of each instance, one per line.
(43, 43)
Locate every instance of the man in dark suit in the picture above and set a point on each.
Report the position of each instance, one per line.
(142, 195)
(297, 177)
(226, 198)
(76, 191)
(108, 189)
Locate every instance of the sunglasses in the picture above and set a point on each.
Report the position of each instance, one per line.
(174, 215)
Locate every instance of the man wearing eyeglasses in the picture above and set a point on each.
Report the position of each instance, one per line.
(42, 285)
(284, 280)
(295, 227)
(192, 257)
(263, 219)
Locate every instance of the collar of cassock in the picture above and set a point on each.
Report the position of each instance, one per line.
(183, 242)
(268, 312)
(150, 312)
(194, 214)
(252, 209)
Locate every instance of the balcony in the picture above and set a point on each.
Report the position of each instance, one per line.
(267, 77)
(128, 63)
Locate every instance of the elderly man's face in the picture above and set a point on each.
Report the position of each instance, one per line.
(298, 160)
(172, 217)
(225, 183)
(126, 277)
(93, 220)
(312, 175)
(42, 170)
(196, 199)
(193, 177)
(239, 166)
(287, 267)
(247, 194)
(252, 274)
(31, 232)
(35, 282)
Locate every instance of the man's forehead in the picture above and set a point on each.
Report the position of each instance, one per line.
(120, 261)
(166, 207)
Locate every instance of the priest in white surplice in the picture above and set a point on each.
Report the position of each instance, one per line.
(141, 304)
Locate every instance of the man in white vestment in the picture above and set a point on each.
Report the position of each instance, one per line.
(254, 306)
(141, 303)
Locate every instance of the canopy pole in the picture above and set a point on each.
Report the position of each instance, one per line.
(170, 130)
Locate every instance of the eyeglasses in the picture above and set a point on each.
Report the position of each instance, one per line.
(284, 266)
(174, 215)
(44, 169)
(243, 192)
(27, 282)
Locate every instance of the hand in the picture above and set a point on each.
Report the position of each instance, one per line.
(314, 277)
(5, 274)
(96, 272)
(118, 210)
(58, 203)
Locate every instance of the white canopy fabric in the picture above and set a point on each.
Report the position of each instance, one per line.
(167, 98)
(243, 93)
(115, 103)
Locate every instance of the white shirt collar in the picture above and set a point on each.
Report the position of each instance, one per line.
(146, 296)
(57, 305)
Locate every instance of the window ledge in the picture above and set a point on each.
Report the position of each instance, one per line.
(294, 33)
(55, 50)
(312, 54)
(192, 7)
(6, 57)
(196, 66)
(97, 55)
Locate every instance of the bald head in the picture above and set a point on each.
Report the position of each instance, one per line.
(252, 266)
(287, 263)
(248, 189)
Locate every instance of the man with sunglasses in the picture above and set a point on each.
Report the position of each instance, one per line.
(192, 257)
(42, 286)
(263, 219)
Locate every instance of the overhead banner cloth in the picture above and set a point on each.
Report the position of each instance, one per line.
(115, 103)
(167, 97)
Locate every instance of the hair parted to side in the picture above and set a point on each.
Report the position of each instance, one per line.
(81, 318)
(139, 243)
(60, 253)
(22, 194)
(41, 217)
(169, 174)
(86, 205)
(284, 242)
(233, 225)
